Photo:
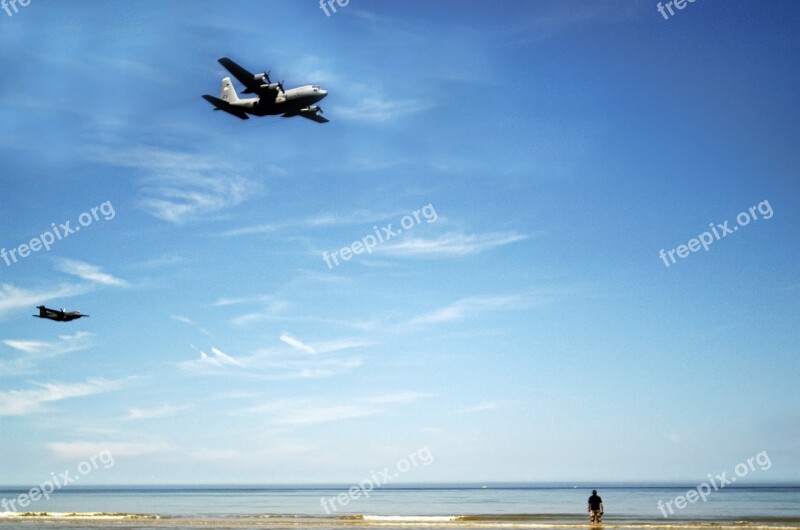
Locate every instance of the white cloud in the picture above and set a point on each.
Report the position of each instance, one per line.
(324, 219)
(296, 344)
(249, 318)
(90, 273)
(306, 412)
(27, 346)
(378, 110)
(272, 308)
(181, 187)
(312, 412)
(274, 363)
(276, 366)
(480, 407)
(23, 402)
(250, 230)
(403, 398)
(82, 449)
(12, 298)
(34, 352)
(467, 307)
(325, 414)
(223, 302)
(279, 452)
(185, 320)
(339, 345)
(181, 198)
(214, 455)
(157, 412)
(217, 359)
(451, 244)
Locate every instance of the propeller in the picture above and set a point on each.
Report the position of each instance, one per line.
(280, 86)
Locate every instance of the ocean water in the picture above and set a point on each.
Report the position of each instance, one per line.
(402, 507)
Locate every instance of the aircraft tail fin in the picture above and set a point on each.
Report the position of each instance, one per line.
(227, 92)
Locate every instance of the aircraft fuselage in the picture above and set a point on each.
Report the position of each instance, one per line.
(290, 101)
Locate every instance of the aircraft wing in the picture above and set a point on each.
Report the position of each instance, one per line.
(244, 76)
(224, 105)
(312, 113)
(248, 79)
(313, 116)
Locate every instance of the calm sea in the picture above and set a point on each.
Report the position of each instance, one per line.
(401, 507)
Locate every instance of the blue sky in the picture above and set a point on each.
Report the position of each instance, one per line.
(530, 333)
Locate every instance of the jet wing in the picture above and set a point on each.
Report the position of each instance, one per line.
(224, 105)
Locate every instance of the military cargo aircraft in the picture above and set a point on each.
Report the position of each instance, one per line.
(271, 99)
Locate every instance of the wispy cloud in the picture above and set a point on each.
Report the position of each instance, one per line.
(378, 110)
(281, 363)
(217, 359)
(307, 412)
(277, 452)
(403, 398)
(296, 344)
(129, 67)
(311, 412)
(12, 298)
(84, 449)
(250, 230)
(467, 307)
(271, 311)
(451, 244)
(320, 220)
(480, 407)
(30, 401)
(156, 412)
(180, 187)
(90, 273)
(181, 198)
(158, 262)
(188, 321)
(223, 302)
(340, 344)
(33, 352)
(185, 320)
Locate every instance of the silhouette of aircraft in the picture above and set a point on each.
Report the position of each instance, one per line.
(59, 315)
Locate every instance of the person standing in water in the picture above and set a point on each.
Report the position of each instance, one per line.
(595, 508)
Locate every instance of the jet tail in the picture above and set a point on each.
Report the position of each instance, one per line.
(227, 92)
